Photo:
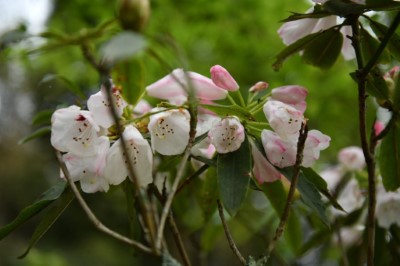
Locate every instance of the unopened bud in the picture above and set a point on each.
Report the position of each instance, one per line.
(221, 77)
(259, 86)
(134, 14)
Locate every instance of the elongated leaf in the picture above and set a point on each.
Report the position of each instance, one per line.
(394, 43)
(323, 50)
(376, 85)
(342, 8)
(123, 47)
(224, 110)
(38, 133)
(309, 194)
(382, 5)
(292, 49)
(315, 14)
(369, 45)
(234, 170)
(70, 85)
(28, 212)
(389, 158)
(276, 194)
(321, 185)
(209, 194)
(49, 218)
(42, 117)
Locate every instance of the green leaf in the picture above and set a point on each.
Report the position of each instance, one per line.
(369, 45)
(394, 43)
(321, 185)
(309, 194)
(70, 85)
(38, 133)
(276, 194)
(49, 218)
(234, 171)
(343, 8)
(389, 158)
(323, 50)
(43, 117)
(209, 194)
(292, 49)
(382, 5)
(28, 212)
(131, 77)
(123, 46)
(227, 110)
(376, 85)
(314, 15)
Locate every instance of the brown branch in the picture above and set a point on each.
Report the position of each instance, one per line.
(286, 211)
(231, 242)
(92, 217)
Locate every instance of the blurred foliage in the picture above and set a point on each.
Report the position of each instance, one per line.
(239, 35)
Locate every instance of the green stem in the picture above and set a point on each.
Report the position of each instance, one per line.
(231, 100)
(240, 96)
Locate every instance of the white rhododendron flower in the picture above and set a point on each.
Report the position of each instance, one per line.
(174, 86)
(387, 207)
(352, 158)
(140, 155)
(227, 135)
(283, 118)
(293, 95)
(315, 142)
(280, 152)
(100, 107)
(350, 198)
(89, 170)
(141, 108)
(204, 148)
(169, 131)
(74, 130)
(223, 79)
(263, 170)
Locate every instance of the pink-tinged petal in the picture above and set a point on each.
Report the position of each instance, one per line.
(280, 152)
(227, 135)
(259, 86)
(169, 87)
(352, 158)
(223, 79)
(347, 48)
(141, 108)
(283, 118)
(290, 94)
(100, 107)
(75, 131)
(263, 171)
(169, 131)
(140, 155)
(204, 149)
(315, 142)
(378, 127)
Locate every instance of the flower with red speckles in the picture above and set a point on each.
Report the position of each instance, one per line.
(227, 135)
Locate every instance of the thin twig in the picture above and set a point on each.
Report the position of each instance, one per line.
(228, 234)
(190, 178)
(286, 211)
(92, 217)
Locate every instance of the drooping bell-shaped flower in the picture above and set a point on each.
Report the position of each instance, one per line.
(174, 87)
(293, 95)
(283, 118)
(223, 79)
(227, 135)
(74, 131)
(100, 107)
(315, 142)
(352, 158)
(204, 148)
(263, 170)
(169, 131)
(140, 156)
(387, 207)
(89, 170)
(280, 152)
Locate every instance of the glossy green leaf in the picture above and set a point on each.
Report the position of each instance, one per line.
(321, 185)
(309, 194)
(130, 76)
(234, 170)
(292, 49)
(227, 110)
(323, 50)
(394, 43)
(28, 212)
(43, 117)
(38, 133)
(122, 47)
(70, 85)
(389, 158)
(343, 8)
(49, 218)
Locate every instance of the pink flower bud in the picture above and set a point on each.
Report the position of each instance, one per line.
(352, 158)
(379, 127)
(259, 86)
(221, 77)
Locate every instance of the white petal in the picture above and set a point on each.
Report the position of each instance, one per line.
(227, 135)
(280, 152)
(262, 169)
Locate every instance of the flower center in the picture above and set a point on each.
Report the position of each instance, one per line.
(163, 129)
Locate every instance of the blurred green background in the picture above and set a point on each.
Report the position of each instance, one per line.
(239, 35)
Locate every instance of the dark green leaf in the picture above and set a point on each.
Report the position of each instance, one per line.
(314, 15)
(28, 212)
(70, 85)
(376, 85)
(123, 47)
(42, 117)
(276, 194)
(323, 50)
(49, 218)
(226, 110)
(234, 170)
(130, 76)
(369, 45)
(382, 5)
(321, 185)
(38, 133)
(394, 43)
(209, 194)
(389, 158)
(343, 8)
(293, 232)
(309, 194)
(292, 49)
